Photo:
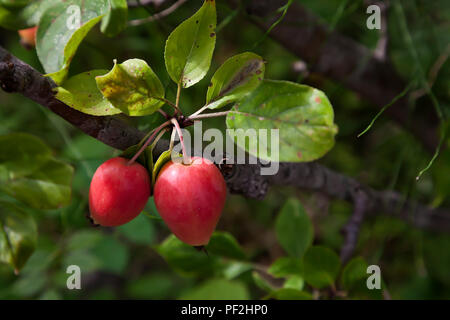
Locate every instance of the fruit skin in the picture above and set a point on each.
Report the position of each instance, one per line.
(28, 37)
(190, 199)
(118, 192)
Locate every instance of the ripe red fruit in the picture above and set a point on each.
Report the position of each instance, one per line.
(190, 199)
(28, 37)
(118, 192)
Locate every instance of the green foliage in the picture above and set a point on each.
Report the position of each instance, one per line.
(218, 289)
(294, 282)
(184, 258)
(92, 250)
(61, 30)
(294, 228)
(160, 162)
(225, 245)
(303, 115)
(81, 93)
(354, 273)
(190, 46)
(236, 78)
(262, 283)
(132, 87)
(291, 294)
(29, 173)
(285, 266)
(437, 256)
(24, 17)
(320, 266)
(139, 230)
(18, 235)
(116, 19)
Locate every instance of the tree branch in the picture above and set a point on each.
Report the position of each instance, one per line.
(17, 76)
(344, 60)
(351, 229)
(245, 179)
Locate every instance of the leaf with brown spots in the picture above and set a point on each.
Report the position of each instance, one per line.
(81, 93)
(132, 87)
(190, 46)
(305, 126)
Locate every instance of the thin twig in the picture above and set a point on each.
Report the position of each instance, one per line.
(143, 3)
(208, 115)
(158, 15)
(198, 111)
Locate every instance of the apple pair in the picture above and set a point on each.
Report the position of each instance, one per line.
(189, 197)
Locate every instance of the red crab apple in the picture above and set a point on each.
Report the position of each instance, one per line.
(190, 199)
(118, 192)
(28, 37)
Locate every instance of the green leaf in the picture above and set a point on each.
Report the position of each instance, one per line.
(235, 79)
(234, 269)
(162, 160)
(285, 266)
(116, 19)
(355, 271)
(225, 245)
(303, 115)
(139, 230)
(262, 283)
(320, 266)
(291, 294)
(184, 258)
(132, 87)
(61, 29)
(18, 235)
(437, 256)
(30, 174)
(84, 239)
(294, 228)
(190, 46)
(21, 154)
(14, 3)
(26, 17)
(151, 286)
(112, 253)
(294, 282)
(49, 187)
(81, 93)
(218, 289)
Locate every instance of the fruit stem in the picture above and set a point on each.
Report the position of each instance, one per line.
(165, 115)
(172, 138)
(186, 159)
(158, 137)
(145, 145)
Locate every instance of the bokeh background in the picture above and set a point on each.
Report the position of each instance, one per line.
(135, 262)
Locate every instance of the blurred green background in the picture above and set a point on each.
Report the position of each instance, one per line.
(141, 261)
